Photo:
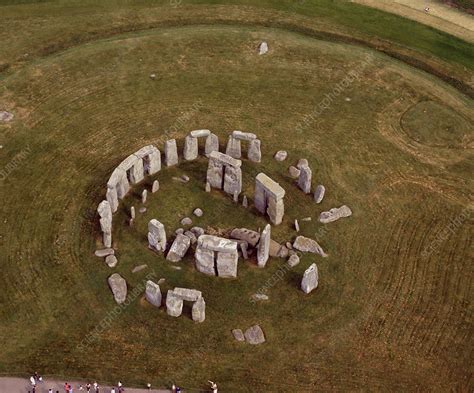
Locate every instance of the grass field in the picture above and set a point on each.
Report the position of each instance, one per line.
(393, 311)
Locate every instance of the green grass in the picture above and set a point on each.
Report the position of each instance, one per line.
(384, 317)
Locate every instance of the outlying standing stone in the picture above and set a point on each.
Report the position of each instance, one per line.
(335, 214)
(118, 286)
(153, 293)
(262, 48)
(306, 244)
(310, 279)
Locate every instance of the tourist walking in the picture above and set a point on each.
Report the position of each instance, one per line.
(88, 387)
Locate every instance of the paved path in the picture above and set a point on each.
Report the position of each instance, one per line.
(23, 385)
(440, 16)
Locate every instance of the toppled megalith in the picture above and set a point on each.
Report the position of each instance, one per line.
(156, 235)
(216, 256)
(179, 248)
(254, 335)
(268, 198)
(335, 214)
(118, 286)
(319, 193)
(305, 244)
(224, 173)
(310, 279)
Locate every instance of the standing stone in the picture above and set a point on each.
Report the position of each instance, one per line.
(171, 152)
(245, 202)
(254, 335)
(144, 196)
(208, 187)
(132, 212)
(174, 304)
(111, 196)
(297, 226)
(233, 180)
(234, 148)
(199, 310)
(118, 286)
(310, 279)
(226, 264)
(190, 148)
(263, 250)
(153, 293)
(155, 187)
(302, 162)
(191, 236)
(111, 260)
(254, 153)
(262, 48)
(179, 248)
(198, 212)
(205, 261)
(304, 180)
(212, 144)
(319, 193)
(156, 235)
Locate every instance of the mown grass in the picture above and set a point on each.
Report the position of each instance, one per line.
(383, 317)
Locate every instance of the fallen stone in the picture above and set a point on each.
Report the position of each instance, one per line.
(142, 209)
(179, 248)
(310, 279)
(155, 186)
(153, 293)
(199, 310)
(297, 226)
(191, 236)
(104, 252)
(319, 193)
(190, 295)
(174, 304)
(306, 244)
(111, 260)
(335, 214)
(262, 48)
(283, 252)
(198, 212)
(254, 335)
(281, 155)
(294, 172)
(198, 231)
(306, 219)
(118, 286)
(251, 237)
(185, 178)
(6, 116)
(139, 268)
(238, 334)
(161, 281)
(186, 221)
(259, 297)
(293, 260)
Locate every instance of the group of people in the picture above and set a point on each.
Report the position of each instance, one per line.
(35, 378)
